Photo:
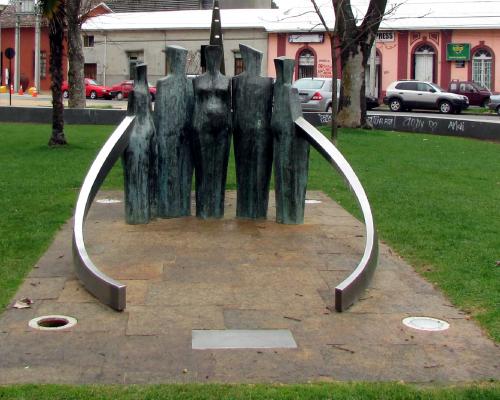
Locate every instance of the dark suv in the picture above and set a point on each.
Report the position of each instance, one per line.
(403, 95)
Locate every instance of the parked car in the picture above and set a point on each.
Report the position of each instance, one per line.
(92, 90)
(121, 90)
(477, 94)
(494, 103)
(316, 94)
(408, 94)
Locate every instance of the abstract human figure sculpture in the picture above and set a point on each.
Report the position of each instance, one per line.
(173, 113)
(253, 139)
(140, 156)
(291, 150)
(211, 135)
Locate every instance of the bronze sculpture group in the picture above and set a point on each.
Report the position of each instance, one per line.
(191, 129)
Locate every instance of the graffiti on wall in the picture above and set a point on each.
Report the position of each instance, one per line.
(325, 68)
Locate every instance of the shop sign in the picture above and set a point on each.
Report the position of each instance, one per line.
(458, 52)
(386, 36)
(306, 38)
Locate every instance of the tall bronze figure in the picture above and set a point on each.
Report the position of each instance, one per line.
(141, 155)
(291, 150)
(253, 139)
(173, 113)
(211, 135)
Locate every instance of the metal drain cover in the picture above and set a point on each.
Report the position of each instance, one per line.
(426, 324)
(243, 339)
(108, 201)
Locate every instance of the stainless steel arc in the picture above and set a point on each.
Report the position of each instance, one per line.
(348, 291)
(106, 289)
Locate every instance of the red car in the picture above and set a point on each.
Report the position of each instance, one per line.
(121, 90)
(92, 90)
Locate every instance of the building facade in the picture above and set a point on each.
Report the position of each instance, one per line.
(421, 54)
(25, 32)
(115, 43)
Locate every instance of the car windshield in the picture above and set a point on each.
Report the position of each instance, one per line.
(437, 87)
(92, 82)
(308, 84)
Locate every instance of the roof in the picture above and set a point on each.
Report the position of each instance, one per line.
(152, 5)
(174, 20)
(411, 15)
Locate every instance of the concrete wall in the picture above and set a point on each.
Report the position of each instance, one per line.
(110, 51)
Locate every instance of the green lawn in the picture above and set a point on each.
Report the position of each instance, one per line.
(336, 391)
(435, 200)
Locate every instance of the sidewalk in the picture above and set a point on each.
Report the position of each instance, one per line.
(185, 274)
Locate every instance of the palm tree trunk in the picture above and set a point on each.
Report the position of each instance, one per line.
(75, 55)
(56, 39)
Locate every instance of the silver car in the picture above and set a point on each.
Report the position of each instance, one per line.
(316, 93)
(494, 103)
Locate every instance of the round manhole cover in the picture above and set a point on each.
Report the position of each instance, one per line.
(108, 201)
(52, 323)
(426, 324)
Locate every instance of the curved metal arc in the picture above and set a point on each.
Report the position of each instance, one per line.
(106, 289)
(348, 291)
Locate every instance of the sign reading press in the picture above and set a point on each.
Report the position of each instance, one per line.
(458, 52)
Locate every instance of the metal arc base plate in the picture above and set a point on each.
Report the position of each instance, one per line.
(242, 339)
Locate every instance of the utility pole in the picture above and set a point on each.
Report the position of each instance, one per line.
(37, 52)
(17, 61)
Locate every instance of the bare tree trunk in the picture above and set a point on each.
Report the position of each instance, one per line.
(56, 39)
(75, 55)
(335, 88)
(355, 43)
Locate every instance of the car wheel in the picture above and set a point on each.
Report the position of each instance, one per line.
(485, 103)
(445, 107)
(329, 109)
(498, 110)
(395, 105)
(119, 96)
(65, 94)
(93, 95)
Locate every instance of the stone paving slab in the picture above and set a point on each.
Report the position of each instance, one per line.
(184, 274)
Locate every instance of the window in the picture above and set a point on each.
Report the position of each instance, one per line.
(239, 65)
(424, 61)
(43, 64)
(88, 41)
(134, 58)
(306, 64)
(90, 70)
(481, 67)
(406, 86)
(309, 84)
(424, 87)
(25, 6)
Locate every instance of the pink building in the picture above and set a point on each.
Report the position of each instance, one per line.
(459, 43)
